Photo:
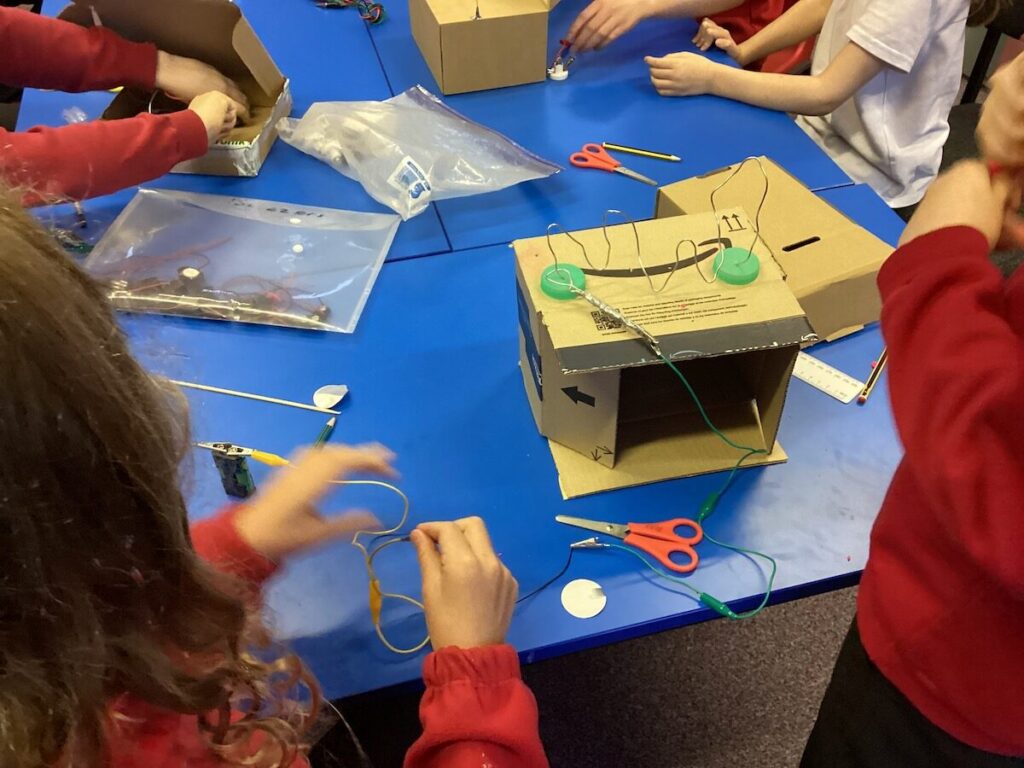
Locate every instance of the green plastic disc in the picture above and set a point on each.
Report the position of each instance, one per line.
(555, 281)
(737, 266)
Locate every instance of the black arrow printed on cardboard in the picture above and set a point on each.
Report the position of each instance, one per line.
(574, 394)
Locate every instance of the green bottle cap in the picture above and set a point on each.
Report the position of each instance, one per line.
(737, 266)
(556, 279)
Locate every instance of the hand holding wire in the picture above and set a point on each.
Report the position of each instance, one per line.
(283, 519)
(468, 593)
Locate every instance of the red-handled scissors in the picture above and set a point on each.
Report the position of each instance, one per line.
(659, 540)
(595, 156)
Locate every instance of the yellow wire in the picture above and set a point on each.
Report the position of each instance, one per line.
(377, 595)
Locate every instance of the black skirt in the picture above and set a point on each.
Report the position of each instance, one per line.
(865, 722)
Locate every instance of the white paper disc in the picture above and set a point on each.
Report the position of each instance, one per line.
(583, 598)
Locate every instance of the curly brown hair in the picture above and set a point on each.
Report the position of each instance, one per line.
(983, 11)
(101, 591)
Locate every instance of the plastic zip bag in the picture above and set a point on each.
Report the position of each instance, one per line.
(234, 258)
(411, 150)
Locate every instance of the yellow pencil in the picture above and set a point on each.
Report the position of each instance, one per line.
(641, 152)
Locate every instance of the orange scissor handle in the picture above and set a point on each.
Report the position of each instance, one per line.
(594, 156)
(661, 541)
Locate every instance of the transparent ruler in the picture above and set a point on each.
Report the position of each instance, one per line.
(829, 380)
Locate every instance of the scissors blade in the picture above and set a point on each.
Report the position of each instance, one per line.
(636, 176)
(611, 529)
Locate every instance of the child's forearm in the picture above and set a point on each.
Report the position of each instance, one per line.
(816, 95)
(800, 22)
(787, 93)
(690, 9)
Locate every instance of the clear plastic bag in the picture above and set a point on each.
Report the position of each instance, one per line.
(233, 258)
(411, 150)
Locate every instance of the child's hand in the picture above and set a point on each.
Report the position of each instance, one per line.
(681, 74)
(604, 21)
(1001, 127)
(711, 34)
(218, 112)
(965, 195)
(184, 79)
(282, 519)
(468, 593)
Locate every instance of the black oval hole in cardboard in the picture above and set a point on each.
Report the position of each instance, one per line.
(801, 244)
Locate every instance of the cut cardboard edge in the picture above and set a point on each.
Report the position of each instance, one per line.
(576, 477)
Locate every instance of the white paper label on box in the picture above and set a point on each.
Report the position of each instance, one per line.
(824, 377)
(410, 179)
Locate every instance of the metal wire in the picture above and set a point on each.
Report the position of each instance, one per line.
(608, 249)
(757, 216)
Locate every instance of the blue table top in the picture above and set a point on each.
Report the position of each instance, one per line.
(448, 397)
(861, 204)
(608, 97)
(336, 61)
(433, 366)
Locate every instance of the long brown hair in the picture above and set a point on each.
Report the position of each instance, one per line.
(101, 592)
(983, 11)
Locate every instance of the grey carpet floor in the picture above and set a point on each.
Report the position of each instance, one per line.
(716, 695)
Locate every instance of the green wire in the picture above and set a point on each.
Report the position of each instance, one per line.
(707, 509)
(724, 610)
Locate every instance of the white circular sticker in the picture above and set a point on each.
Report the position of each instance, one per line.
(583, 598)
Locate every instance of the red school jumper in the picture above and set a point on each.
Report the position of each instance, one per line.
(941, 603)
(747, 19)
(86, 159)
(475, 712)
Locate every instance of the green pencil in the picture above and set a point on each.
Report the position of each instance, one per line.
(325, 433)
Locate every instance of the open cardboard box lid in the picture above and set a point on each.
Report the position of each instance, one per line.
(213, 31)
(690, 317)
(464, 11)
(829, 260)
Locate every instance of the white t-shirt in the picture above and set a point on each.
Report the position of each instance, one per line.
(890, 134)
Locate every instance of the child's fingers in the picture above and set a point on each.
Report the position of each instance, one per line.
(352, 522)
(450, 540)
(426, 552)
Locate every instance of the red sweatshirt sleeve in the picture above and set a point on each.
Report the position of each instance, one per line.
(956, 376)
(476, 711)
(217, 541)
(39, 52)
(75, 162)
(92, 159)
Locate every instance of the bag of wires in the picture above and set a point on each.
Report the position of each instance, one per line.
(249, 261)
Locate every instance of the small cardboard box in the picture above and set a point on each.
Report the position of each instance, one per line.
(830, 262)
(507, 45)
(213, 31)
(614, 413)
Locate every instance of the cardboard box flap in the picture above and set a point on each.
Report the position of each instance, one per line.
(689, 315)
(213, 31)
(814, 243)
(456, 11)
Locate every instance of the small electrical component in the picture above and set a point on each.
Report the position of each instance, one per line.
(559, 69)
(233, 467)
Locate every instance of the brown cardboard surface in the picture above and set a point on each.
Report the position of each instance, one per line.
(830, 262)
(506, 46)
(679, 315)
(213, 31)
(650, 463)
(614, 414)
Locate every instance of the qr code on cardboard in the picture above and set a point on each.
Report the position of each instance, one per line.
(604, 322)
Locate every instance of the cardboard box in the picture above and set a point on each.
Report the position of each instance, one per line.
(213, 31)
(830, 262)
(614, 413)
(507, 45)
